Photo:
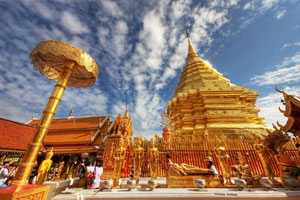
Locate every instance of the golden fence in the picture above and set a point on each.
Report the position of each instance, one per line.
(194, 154)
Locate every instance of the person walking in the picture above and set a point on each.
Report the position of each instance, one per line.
(97, 171)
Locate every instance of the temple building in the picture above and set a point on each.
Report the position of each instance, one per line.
(14, 138)
(292, 112)
(91, 137)
(76, 135)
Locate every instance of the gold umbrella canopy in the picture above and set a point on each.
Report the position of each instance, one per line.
(50, 58)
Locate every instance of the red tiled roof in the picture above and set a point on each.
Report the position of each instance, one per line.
(72, 123)
(74, 130)
(14, 135)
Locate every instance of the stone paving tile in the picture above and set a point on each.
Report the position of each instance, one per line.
(180, 193)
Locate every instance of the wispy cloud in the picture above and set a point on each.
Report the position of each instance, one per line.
(140, 47)
(280, 14)
(267, 4)
(295, 44)
(286, 72)
(279, 76)
(72, 23)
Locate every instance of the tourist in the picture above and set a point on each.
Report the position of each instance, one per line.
(97, 171)
(212, 168)
(170, 163)
(33, 173)
(7, 182)
(14, 169)
(6, 172)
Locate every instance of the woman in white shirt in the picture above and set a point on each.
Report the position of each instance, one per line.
(97, 170)
(211, 166)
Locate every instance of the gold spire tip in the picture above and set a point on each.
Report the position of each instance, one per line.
(187, 32)
(71, 112)
(126, 113)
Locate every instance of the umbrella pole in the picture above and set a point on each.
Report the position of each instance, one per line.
(33, 148)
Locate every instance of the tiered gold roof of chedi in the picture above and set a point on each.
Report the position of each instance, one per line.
(205, 101)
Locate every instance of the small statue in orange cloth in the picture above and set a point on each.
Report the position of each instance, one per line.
(44, 168)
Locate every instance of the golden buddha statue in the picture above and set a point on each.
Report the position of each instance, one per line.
(70, 173)
(138, 159)
(185, 169)
(66, 172)
(119, 157)
(153, 159)
(223, 158)
(44, 168)
(59, 171)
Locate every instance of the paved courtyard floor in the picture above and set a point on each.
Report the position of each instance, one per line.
(179, 193)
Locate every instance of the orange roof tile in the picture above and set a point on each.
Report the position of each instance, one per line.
(74, 130)
(68, 150)
(69, 137)
(72, 123)
(14, 135)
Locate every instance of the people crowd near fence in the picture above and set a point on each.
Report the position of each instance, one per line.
(58, 171)
(7, 173)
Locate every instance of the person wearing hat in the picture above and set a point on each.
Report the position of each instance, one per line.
(210, 165)
(212, 168)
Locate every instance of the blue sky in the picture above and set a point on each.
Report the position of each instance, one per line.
(141, 48)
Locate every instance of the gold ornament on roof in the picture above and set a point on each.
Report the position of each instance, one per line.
(165, 120)
(71, 112)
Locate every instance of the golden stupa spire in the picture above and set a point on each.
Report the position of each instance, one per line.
(71, 112)
(126, 113)
(191, 53)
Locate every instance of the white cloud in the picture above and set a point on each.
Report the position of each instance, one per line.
(43, 9)
(267, 4)
(13, 111)
(112, 8)
(295, 44)
(72, 23)
(279, 76)
(286, 72)
(139, 61)
(120, 42)
(280, 14)
(247, 6)
(119, 107)
(89, 101)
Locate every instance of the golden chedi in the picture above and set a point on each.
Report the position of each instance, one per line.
(206, 102)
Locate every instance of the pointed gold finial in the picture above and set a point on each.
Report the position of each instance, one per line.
(126, 113)
(119, 116)
(71, 112)
(187, 33)
(191, 52)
